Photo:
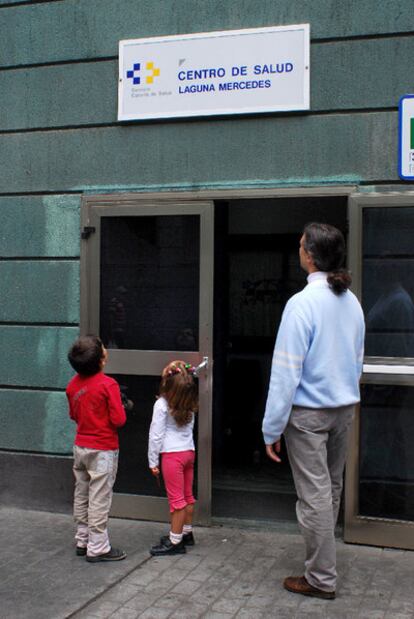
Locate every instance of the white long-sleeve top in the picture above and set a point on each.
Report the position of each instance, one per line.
(165, 435)
(317, 361)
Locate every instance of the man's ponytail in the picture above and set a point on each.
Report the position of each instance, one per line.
(339, 280)
(326, 245)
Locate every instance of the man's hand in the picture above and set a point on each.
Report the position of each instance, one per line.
(273, 450)
(155, 471)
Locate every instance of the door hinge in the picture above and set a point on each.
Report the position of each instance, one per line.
(87, 231)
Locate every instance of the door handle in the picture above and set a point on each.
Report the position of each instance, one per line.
(201, 366)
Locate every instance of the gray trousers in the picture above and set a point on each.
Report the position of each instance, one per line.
(316, 441)
(95, 472)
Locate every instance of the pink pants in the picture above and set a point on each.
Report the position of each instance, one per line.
(178, 472)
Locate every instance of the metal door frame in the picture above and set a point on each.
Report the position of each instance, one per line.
(152, 362)
(393, 371)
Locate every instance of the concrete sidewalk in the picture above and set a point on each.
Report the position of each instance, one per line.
(231, 572)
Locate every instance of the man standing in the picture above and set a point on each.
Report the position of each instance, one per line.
(314, 386)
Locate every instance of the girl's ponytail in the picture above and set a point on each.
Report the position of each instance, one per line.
(179, 388)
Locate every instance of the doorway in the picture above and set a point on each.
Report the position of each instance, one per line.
(256, 271)
(169, 277)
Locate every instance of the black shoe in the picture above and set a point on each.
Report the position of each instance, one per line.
(166, 547)
(113, 555)
(81, 551)
(188, 539)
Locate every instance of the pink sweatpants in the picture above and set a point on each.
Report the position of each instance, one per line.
(178, 472)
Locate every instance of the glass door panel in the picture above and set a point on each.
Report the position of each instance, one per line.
(380, 467)
(138, 393)
(386, 456)
(149, 269)
(150, 278)
(388, 281)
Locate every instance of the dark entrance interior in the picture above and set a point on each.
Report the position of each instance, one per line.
(256, 271)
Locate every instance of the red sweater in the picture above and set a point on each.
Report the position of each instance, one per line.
(95, 405)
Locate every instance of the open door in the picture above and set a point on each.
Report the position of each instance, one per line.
(379, 505)
(147, 287)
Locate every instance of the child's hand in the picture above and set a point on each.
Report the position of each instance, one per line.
(155, 471)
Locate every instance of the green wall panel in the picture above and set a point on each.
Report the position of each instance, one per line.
(60, 95)
(363, 74)
(36, 356)
(230, 152)
(39, 226)
(86, 93)
(39, 291)
(35, 421)
(72, 29)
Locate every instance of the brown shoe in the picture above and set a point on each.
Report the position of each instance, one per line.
(299, 584)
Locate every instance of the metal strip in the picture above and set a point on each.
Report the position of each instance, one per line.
(171, 195)
(140, 507)
(205, 423)
(388, 379)
(146, 362)
(380, 532)
(128, 208)
(405, 361)
(388, 369)
(84, 269)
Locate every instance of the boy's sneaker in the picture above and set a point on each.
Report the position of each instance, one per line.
(188, 539)
(113, 555)
(166, 548)
(81, 551)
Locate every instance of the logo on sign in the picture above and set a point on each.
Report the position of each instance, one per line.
(135, 73)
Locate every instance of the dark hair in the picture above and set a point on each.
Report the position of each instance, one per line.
(326, 246)
(85, 355)
(179, 388)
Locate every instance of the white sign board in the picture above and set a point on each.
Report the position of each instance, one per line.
(406, 142)
(230, 72)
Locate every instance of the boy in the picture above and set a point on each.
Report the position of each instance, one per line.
(95, 405)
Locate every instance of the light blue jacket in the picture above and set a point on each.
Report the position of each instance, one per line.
(318, 356)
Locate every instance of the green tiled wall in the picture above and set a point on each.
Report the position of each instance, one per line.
(43, 422)
(59, 138)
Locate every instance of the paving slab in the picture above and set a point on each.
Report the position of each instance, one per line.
(231, 572)
(42, 578)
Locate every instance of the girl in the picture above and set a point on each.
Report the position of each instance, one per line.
(171, 435)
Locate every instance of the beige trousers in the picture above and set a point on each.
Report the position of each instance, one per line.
(95, 473)
(316, 441)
